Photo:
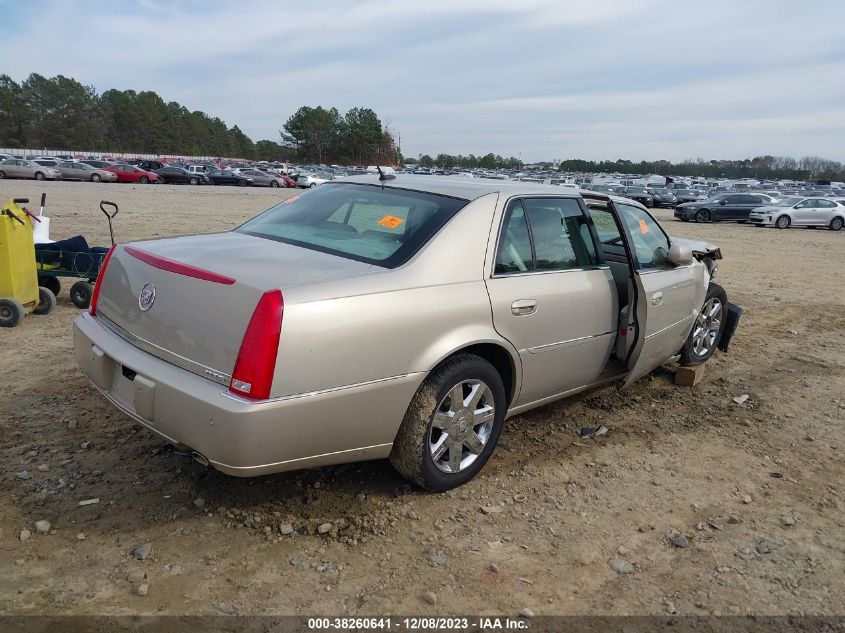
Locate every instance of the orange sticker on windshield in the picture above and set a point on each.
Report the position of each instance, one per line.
(643, 227)
(390, 221)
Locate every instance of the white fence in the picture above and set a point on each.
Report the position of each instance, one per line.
(116, 155)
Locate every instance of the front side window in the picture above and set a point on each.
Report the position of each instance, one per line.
(651, 245)
(385, 227)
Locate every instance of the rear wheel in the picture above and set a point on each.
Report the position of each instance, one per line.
(80, 294)
(96, 178)
(836, 224)
(11, 312)
(702, 215)
(194, 181)
(52, 283)
(313, 184)
(708, 327)
(783, 222)
(274, 183)
(144, 180)
(242, 183)
(40, 176)
(46, 301)
(2, 174)
(452, 424)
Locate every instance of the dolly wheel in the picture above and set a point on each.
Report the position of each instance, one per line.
(46, 301)
(80, 294)
(52, 283)
(11, 312)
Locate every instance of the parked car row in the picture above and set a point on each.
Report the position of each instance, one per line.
(764, 210)
(149, 171)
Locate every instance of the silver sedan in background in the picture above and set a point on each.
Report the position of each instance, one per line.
(260, 178)
(20, 168)
(800, 211)
(73, 170)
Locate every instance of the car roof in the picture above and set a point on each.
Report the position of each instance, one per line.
(464, 188)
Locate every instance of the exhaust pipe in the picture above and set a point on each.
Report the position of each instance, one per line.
(199, 458)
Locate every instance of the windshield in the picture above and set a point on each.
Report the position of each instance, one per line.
(367, 223)
(636, 190)
(659, 190)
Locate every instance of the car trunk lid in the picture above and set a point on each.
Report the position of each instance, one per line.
(189, 300)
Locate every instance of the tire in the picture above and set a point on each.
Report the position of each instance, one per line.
(836, 224)
(46, 301)
(144, 180)
(80, 294)
(193, 181)
(2, 174)
(40, 176)
(96, 177)
(707, 329)
(783, 222)
(11, 312)
(701, 216)
(52, 283)
(312, 185)
(242, 183)
(418, 435)
(274, 184)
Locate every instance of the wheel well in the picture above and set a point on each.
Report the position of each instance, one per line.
(498, 357)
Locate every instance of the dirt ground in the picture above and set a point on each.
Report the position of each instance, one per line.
(756, 490)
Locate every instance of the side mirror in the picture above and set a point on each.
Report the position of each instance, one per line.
(680, 255)
(723, 202)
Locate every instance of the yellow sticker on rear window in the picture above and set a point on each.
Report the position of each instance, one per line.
(643, 227)
(390, 221)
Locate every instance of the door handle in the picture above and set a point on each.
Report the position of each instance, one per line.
(523, 307)
(657, 298)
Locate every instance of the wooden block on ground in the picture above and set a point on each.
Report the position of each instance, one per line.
(689, 376)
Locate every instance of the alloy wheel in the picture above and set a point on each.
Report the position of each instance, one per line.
(707, 327)
(461, 426)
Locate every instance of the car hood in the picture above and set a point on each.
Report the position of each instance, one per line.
(700, 247)
(768, 209)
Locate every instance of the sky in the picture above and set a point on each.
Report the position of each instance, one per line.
(536, 79)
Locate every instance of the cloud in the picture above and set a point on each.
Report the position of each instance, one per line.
(642, 79)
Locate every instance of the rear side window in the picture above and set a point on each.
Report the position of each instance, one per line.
(545, 234)
(385, 227)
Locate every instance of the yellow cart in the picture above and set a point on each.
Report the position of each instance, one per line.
(20, 293)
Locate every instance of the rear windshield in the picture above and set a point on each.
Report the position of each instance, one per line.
(366, 223)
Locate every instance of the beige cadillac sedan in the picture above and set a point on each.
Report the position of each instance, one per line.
(400, 317)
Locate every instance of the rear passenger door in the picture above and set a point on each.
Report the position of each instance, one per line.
(551, 295)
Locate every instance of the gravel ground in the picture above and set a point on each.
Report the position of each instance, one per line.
(691, 504)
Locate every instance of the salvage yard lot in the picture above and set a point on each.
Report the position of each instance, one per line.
(756, 489)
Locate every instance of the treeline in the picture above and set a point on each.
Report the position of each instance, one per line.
(759, 167)
(446, 161)
(322, 135)
(61, 113)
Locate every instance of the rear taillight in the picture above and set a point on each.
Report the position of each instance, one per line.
(92, 308)
(256, 362)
